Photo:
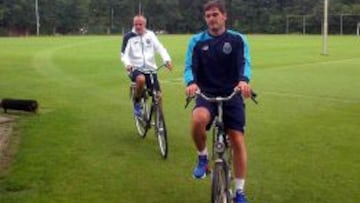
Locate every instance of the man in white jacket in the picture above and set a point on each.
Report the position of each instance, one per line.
(138, 55)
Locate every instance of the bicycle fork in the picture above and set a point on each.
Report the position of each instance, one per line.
(220, 141)
(222, 153)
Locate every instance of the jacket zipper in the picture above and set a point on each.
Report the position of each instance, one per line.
(142, 50)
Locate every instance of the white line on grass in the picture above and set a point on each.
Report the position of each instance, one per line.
(175, 81)
(44, 64)
(309, 65)
(286, 94)
(178, 81)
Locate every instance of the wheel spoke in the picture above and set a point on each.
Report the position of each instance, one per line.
(161, 133)
(141, 122)
(220, 194)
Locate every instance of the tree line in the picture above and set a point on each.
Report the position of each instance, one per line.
(17, 17)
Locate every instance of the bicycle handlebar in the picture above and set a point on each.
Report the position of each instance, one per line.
(216, 99)
(133, 68)
(219, 99)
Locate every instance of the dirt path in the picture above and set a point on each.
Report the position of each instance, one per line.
(6, 127)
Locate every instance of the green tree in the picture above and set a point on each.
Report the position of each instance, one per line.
(50, 15)
(74, 17)
(192, 17)
(174, 16)
(161, 14)
(19, 17)
(111, 15)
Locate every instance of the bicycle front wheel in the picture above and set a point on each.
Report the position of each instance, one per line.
(161, 132)
(141, 121)
(220, 190)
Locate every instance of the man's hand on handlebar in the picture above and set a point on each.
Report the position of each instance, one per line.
(191, 90)
(129, 68)
(245, 89)
(169, 65)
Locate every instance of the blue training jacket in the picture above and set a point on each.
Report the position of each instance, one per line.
(217, 64)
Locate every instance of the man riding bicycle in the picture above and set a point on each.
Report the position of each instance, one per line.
(138, 55)
(217, 61)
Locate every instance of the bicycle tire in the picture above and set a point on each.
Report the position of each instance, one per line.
(220, 191)
(141, 122)
(161, 132)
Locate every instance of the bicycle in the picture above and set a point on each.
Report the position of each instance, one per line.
(152, 113)
(221, 150)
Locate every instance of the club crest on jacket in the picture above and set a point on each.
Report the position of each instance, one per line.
(227, 48)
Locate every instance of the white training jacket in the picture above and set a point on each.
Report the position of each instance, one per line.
(139, 51)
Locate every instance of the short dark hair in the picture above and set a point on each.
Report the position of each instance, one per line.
(219, 4)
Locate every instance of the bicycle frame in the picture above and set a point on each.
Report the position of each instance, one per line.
(155, 97)
(221, 142)
(220, 139)
(222, 153)
(152, 114)
(221, 149)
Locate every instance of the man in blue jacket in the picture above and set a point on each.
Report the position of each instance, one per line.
(217, 61)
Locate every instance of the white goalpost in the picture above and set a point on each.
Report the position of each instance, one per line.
(37, 17)
(325, 28)
(358, 29)
(299, 18)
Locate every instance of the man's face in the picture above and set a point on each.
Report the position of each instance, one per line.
(139, 25)
(215, 20)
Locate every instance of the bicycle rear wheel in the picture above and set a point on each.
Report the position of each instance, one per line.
(161, 132)
(220, 190)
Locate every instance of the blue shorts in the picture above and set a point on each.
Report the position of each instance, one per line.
(133, 75)
(233, 112)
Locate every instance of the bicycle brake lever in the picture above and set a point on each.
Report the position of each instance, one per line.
(253, 97)
(188, 100)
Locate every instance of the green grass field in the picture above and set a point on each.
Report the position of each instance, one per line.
(303, 138)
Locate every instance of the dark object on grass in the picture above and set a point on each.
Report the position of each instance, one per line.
(19, 104)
